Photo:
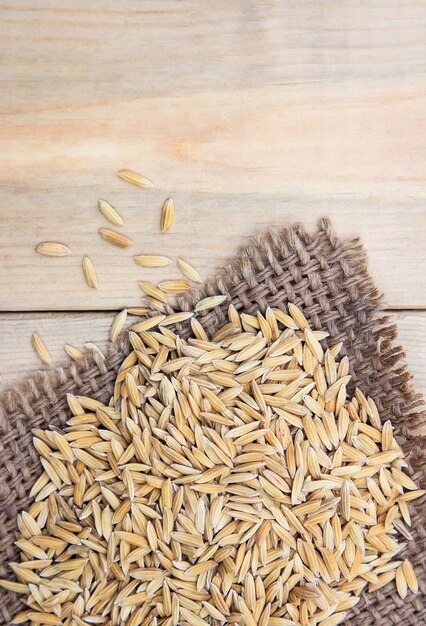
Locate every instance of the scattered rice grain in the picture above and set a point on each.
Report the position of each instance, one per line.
(40, 349)
(110, 213)
(167, 215)
(189, 271)
(117, 239)
(90, 273)
(52, 248)
(135, 178)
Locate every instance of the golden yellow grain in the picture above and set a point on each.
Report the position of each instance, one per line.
(135, 178)
(403, 479)
(40, 349)
(209, 303)
(155, 305)
(298, 316)
(11, 585)
(411, 495)
(167, 215)
(213, 611)
(149, 323)
(176, 318)
(117, 239)
(189, 271)
(137, 310)
(73, 352)
(52, 248)
(314, 345)
(346, 501)
(44, 618)
(152, 290)
(90, 273)
(401, 582)
(117, 325)
(152, 260)
(381, 458)
(110, 213)
(335, 619)
(174, 286)
(21, 617)
(410, 576)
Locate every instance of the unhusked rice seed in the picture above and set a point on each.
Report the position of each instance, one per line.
(209, 303)
(152, 260)
(73, 352)
(110, 213)
(189, 271)
(167, 215)
(40, 349)
(52, 248)
(174, 286)
(90, 272)
(117, 325)
(117, 239)
(135, 178)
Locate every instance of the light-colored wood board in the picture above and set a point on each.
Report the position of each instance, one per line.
(156, 47)
(208, 229)
(17, 358)
(248, 113)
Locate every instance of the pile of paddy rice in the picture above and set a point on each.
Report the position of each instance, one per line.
(228, 481)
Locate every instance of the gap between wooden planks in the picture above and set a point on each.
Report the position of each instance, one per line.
(17, 358)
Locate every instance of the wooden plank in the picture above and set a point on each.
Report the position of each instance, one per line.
(17, 359)
(250, 114)
(167, 47)
(208, 229)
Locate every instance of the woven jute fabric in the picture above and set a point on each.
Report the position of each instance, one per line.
(328, 279)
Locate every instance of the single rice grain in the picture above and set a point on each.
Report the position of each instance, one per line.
(167, 215)
(117, 239)
(135, 179)
(40, 349)
(52, 248)
(90, 273)
(110, 213)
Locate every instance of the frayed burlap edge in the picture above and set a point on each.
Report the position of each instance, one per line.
(328, 278)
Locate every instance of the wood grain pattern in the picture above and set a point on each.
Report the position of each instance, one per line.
(248, 113)
(208, 229)
(17, 358)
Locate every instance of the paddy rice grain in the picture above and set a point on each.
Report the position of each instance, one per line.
(189, 271)
(110, 213)
(174, 286)
(117, 239)
(151, 260)
(135, 179)
(40, 349)
(73, 352)
(52, 248)
(209, 303)
(117, 325)
(153, 290)
(167, 215)
(90, 272)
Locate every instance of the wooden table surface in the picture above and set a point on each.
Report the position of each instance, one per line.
(248, 113)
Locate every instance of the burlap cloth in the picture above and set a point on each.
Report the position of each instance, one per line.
(328, 278)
